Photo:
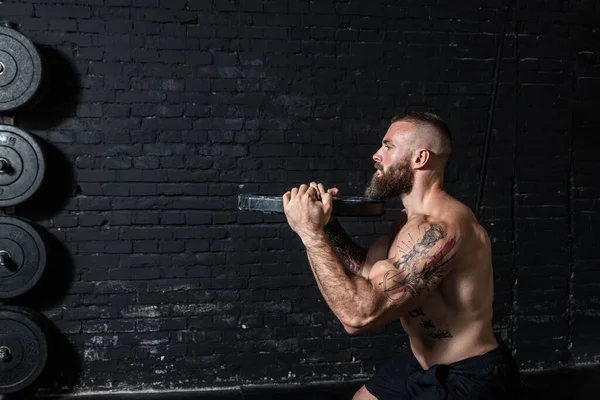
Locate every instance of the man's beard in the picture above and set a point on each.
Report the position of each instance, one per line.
(397, 181)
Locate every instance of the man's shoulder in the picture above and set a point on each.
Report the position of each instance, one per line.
(428, 229)
(453, 214)
(418, 221)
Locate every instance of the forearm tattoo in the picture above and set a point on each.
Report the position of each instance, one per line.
(417, 269)
(353, 256)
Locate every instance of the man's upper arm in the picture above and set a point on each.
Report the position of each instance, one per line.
(378, 250)
(401, 283)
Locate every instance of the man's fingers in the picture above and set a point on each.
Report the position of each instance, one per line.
(313, 193)
(303, 188)
(314, 185)
(286, 198)
(293, 193)
(327, 200)
(320, 189)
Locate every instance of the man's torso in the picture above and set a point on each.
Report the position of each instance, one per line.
(454, 322)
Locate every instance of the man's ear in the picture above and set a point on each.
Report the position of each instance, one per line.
(421, 156)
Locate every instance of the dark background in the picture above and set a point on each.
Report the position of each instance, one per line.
(158, 113)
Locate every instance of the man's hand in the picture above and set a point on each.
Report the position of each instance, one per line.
(308, 210)
(321, 189)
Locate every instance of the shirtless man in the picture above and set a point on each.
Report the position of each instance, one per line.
(433, 272)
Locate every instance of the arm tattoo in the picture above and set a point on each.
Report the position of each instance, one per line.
(353, 256)
(410, 279)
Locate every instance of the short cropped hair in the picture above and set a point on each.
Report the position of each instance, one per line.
(429, 120)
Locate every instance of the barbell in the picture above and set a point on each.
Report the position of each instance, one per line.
(354, 206)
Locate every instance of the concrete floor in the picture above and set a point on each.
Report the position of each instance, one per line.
(556, 384)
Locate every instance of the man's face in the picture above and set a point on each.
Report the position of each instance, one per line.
(397, 180)
(394, 175)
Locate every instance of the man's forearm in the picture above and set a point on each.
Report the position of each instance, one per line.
(352, 255)
(342, 293)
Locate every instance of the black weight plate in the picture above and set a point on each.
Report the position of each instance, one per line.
(20, 69)
(25, 338)
(15, 351)
(342, 205)
(31, 313)
(27, 252)
(27, 165)
(35, 315)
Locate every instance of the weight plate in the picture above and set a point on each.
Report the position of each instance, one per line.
(30, 313)
(28, 349)
(35, 316)
(15, 351)
(26, 257)
(342, 205)
(22, 165)
(20, 69)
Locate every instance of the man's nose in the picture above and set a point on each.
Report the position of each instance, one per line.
(376, 157)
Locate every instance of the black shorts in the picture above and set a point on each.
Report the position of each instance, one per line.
(491, 376)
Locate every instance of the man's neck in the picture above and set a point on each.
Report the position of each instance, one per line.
(419, 200)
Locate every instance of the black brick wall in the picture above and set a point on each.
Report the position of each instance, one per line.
(158, 113)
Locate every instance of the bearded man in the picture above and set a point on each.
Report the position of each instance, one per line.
(432, 272)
